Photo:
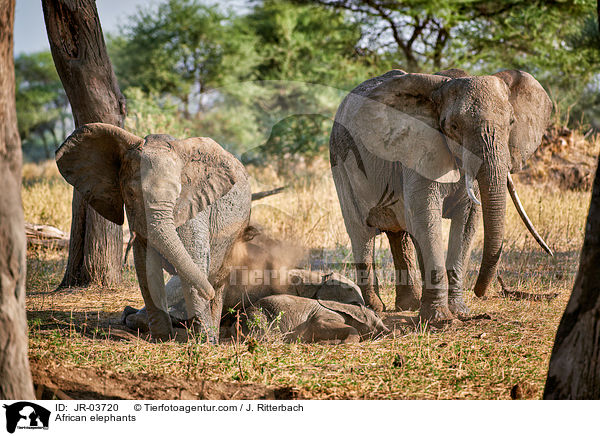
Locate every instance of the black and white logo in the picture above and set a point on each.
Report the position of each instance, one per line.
(26, 415)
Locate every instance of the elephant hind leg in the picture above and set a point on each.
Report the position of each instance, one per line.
(408, 289)
(328, 331)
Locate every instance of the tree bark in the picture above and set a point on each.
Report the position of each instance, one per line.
(15, 376)
(574, 371)
(79, 53)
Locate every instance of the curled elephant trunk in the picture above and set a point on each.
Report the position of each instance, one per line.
(164, 238)
(492, 187)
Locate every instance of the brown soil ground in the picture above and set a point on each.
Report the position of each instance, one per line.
(56, 382)
(565, 160)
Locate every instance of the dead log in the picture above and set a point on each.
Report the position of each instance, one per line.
(520, 295)
(39, 235)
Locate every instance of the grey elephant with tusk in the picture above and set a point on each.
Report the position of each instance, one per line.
(187, 200)
(407, 150)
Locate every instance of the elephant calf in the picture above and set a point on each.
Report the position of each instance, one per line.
(308, 320)
(296, 282)
(258, 268)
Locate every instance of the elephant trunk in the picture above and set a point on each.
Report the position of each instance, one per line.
(163, 236)
(492, 187)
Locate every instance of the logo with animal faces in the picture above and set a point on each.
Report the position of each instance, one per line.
(24, 415)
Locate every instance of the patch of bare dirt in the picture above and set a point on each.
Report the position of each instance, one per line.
(56, 382)
(566, 159)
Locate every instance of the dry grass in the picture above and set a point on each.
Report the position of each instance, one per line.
(46, 196)
(482, 359)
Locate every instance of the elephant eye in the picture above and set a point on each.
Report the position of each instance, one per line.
(452, 127)
(448, 126)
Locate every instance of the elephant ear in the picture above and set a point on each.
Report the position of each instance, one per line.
(90, 160)
(354, 311)
(209, 172)
(397, 120)
(532, 108)
(337, 287)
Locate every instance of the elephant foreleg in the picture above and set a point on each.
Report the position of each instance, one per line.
(363, 251)
(148, 266)
(424, 216)
(462, 231)
(408, 290)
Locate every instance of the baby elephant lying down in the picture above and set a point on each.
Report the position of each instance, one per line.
(308, 320)
(312, 307)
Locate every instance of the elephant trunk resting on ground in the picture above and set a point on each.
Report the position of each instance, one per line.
(188, 201)
(407, 150)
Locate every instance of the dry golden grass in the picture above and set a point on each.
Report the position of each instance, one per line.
(46, 196)
(481, 359)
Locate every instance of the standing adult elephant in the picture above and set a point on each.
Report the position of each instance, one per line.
(410, 149)
(186, 200)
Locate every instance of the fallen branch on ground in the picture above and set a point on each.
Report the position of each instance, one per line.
(520, 295)
(263, 194)
(45, 236)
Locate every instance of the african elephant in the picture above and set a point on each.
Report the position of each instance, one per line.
(187, 201)
(314, 320)
(407, 150)
(302, 283)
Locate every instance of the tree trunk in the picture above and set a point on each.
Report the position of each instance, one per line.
(15, 376)
(79, 53)
(574, 371)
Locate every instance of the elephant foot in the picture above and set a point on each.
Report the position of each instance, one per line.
(352, 339)
(458, 307)
(373, 301)
(200, 332)
(160, 327)
(135, 319)
(407, 299)
(437, 316)
(126, 312)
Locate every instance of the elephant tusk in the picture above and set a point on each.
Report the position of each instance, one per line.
(469, 183)
(524, 217)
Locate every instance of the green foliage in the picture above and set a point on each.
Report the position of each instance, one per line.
(556, 41)
(151, 113)
(305, 44)
(265, 82)
(239, 79)
(181, 48)
(40, 98)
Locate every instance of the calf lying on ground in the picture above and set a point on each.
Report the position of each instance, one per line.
(308, 320)
(258, 269)
(330, 289)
